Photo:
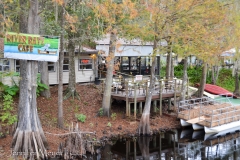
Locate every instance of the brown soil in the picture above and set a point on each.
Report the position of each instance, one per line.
(89, 105)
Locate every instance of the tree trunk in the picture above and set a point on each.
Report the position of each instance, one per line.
(43, 67)
(172, 68)
(71, 90)
(144, 125)
(168, 65)
(108, 83)
(23, 16)
(185, 77)
(169, 59)
(202, 81)
(215, 73)
(60, 78)
(237, 90)
(29, 136)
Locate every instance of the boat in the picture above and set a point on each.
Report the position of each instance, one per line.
(184, 123)
(212, 115)
(196, 126)
(223, 127)
(209, 136)
(214, 89)
(46, 52)
(194, 90)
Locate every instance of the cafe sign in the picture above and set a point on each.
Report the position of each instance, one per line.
(31, 47)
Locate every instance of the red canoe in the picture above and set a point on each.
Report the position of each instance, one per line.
(213, 89)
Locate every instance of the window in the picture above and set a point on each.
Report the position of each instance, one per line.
(4, 65)
(51, 66)
(17, 65)
(65, 64)
(85, 64)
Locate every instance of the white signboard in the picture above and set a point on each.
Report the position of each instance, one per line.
(138, 77)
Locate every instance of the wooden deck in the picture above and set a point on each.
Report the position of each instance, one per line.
(121, 95)
(137, 95)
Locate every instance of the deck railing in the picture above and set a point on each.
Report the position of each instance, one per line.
(193, 108)
(211, 112)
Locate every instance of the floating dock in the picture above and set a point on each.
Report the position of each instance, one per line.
(212, 115)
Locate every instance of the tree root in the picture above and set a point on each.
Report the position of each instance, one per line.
(71, 93)
(30, 145)
(77, 143)
(144, 126)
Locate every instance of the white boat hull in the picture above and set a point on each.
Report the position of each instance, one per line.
(196, 126)
(222, 127)
(209, 136)
(184, 123)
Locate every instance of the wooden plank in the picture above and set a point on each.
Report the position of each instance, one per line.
(196, 120)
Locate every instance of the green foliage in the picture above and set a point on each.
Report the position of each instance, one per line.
(226, 80)
(114, 116)
(6, 116)
(109, 124)
(194, 73)
(11, 90)
(40, 86)
(81, 117)
(100, 112)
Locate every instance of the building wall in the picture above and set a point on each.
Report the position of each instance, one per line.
(81, 75)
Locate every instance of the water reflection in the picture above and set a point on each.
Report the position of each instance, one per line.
(143, 148)
(174, 145)
(198, 145)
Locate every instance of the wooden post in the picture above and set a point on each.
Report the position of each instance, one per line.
(169, 103)
(135, 101)
(155, 106)
(160, 97)
(140, 107)
(175, 92)
(127, 105)
(111, 100)
(146, 88)
(129, 109)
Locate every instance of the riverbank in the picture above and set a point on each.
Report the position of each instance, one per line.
(104, 128)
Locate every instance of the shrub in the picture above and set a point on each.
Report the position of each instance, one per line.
(114, 116)
(100, 112)
(109, 124)
(81, 117)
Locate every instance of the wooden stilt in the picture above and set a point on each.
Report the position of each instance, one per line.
(155, 106)
(140, 107)
(175, 92)
(127, 104)
(169, 103)
(135, 101)
(160, 97)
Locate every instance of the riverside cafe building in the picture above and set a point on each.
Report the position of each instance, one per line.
(134, 58)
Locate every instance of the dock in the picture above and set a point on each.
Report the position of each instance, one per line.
(134, 91)
(212, 115)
